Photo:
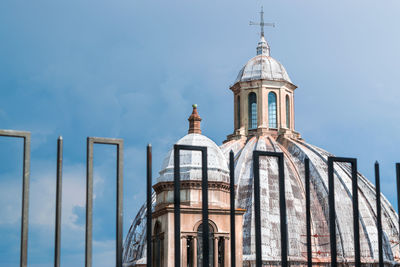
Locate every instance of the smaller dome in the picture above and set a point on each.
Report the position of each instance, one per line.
(263, 67)
(190, 161)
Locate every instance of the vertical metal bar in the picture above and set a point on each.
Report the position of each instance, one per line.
(89, 202)
(332, 219)
(149, 183)
(204, 189)
(25, 200)
(282, 206)
(378, 213)
(398, 194)
(58, 202)
(25, 190)
(177, 210)
(232, 195)
(119, 208)
(308, 210)
(257, 208)
(356, 223)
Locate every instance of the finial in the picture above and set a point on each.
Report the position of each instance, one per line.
(262, 23)
(194, 121)
(263, 47)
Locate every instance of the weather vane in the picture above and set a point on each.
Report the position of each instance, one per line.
(262, 23)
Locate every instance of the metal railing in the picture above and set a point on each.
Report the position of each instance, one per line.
(119, 143)
(177, 201)
(332, 210)
(282, 205)
(26, 136)
(205, 213)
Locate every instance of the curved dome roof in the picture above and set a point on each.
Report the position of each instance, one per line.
(295, 152)
(263, 67)
(190, 161)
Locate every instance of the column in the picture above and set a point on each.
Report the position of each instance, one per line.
(215, 251)
(227, 252)
(184, 250)
(194, 251)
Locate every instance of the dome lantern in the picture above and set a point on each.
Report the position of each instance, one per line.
(263, 95)
(263, 47)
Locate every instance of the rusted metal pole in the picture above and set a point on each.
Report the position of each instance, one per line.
(308, 210)
(232, 196)
(378, 213)
(177, 210)
(332, 213)
(398, 194)
(204, 201)
(149, 184)
(356, 214)
(89, 203)
(58, 202)
(120, 199)
(257, 208)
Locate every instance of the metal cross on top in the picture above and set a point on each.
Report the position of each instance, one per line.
(262, 23)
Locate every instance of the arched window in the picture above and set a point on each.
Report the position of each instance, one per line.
(287, 112)
(200, 245)
(157, 246)
(252, 110)
(272, 119)
(238, 112)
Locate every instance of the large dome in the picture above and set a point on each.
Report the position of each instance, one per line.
(295, 152)
(190, 161)
(263, 67)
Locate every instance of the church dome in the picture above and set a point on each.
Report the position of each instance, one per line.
(263, 66)
(295, 151)
(190, 161)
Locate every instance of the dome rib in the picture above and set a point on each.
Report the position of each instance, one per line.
(324, 183)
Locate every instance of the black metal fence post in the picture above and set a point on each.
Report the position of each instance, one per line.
(25, 190)
(89, 197)
(398, 194)
(232, 200)
(149, 200)
(308, 210)
(378, 212)
(57, 240)
(282, 205)
(177, 201)
(332, 210)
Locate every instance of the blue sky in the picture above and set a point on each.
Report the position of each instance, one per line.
(131, 69)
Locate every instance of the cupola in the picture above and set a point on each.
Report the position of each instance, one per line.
(263, 97)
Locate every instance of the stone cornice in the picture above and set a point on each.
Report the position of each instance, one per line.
(170, 209)
(191, 184)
